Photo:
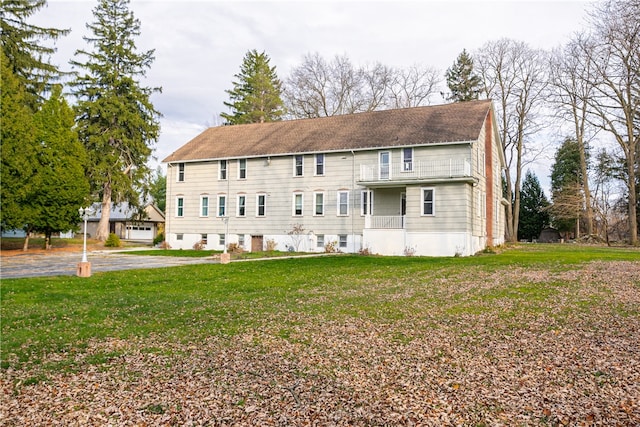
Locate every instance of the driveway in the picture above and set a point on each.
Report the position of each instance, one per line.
(65, 263)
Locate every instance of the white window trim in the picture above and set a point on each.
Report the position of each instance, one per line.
(202, 197)
(295, 170)
(220, 169)
(433, 201)
(178, 198)
(315, 169)
(293, 204)
(258, 205)
(315, 195)
(369, 202)
(246, 166)
(226, 207)
(238, 205)
(338, 204)
(404, 167)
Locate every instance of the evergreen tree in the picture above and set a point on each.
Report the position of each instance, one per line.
(21, 44)
(116, 120)
(158, 189)
(255, 97)
(566, 187)
(463, 83)
(17, 136)
(61, 184)
(534, 214)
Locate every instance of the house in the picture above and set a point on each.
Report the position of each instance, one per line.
(414, 181)
(124, 222)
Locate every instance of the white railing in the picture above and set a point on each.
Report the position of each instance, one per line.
(425, 169)
(384, 221)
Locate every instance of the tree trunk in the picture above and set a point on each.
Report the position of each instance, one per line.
(102, 233)
(25, 245)
(633, 219)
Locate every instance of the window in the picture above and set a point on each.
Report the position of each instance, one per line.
(180, 172)
(297, 204)
(221, 240)
(428, 196)
(319, 164)
(242, 205)
(366, 203)
(180, 206)
(407, 159)
(203, 239)
(342, 240)
(384, 165)
(343, 203)
(298, 165)
(204, 205)
(179, 236)
(222, 170)
(242, 168)
(318, 204)
(320, 241)
(261, 205)
(241, 240)
(222, 205)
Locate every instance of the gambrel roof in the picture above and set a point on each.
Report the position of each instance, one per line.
(450, 123)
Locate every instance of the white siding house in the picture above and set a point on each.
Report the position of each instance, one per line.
(421, 181)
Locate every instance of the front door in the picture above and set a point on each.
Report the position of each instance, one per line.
(257, 244)
(384, 164)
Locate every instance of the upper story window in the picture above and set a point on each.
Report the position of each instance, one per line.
(428, 201)
(407, 159)
(297, 204)
(179, 206)
(343, 203)
(242, 168)
(319, 164)
(298, 165)
(222, 170)
(180, 172)
(261, 205)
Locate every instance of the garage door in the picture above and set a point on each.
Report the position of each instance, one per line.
(139, 232)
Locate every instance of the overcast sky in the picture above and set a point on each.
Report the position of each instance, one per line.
(199, 45)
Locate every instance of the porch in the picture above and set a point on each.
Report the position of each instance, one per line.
(454, 167)
(384, 222)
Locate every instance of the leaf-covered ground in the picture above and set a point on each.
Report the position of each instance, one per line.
(473, 348)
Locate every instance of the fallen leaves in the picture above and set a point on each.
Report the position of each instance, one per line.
(516, 361)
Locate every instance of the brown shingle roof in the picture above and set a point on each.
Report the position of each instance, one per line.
(377, 129)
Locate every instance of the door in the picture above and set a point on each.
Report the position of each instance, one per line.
(257, 243)
(384, 165)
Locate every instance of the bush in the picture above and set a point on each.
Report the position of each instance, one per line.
(271, 245)
(199, 245)
(235, 248)
(331, 247)
(113, 241)
(159, 239)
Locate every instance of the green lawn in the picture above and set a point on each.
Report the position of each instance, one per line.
(296, 307)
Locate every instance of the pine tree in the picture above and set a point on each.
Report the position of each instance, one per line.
(255, 97)
(22, 47)
(116, 120)
(463, 83)
(566, 188)
(534, 214)
(17, 136)
(61, 184)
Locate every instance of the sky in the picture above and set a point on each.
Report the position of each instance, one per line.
(199, 45)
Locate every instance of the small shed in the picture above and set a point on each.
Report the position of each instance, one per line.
(549, 235)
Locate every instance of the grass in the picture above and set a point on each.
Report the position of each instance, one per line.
(62, 315)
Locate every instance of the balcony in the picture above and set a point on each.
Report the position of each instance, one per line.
(423, 170)
(384, 222)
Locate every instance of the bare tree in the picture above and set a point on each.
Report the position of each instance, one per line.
(514, 76)
(319, 88)
(571, 79)
(413, 87)
(614, 55)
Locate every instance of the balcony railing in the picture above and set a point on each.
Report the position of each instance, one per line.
(384, 222)
(424, 169)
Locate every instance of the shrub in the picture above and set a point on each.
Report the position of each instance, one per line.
(113, 241)
(165, 245)
(271, 245)
(235, 248)
(409, 251)
(159, 239)
(331, 247)
(199, 245)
